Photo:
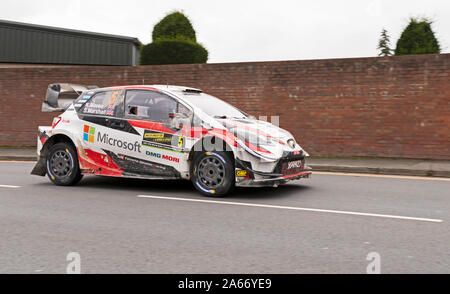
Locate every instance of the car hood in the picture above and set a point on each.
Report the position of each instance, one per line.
(262, 136)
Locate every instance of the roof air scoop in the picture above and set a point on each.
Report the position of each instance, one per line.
(192, 91)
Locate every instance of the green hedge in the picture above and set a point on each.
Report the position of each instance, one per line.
(173, 51)
(174, 26)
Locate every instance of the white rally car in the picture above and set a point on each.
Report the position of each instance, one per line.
(162, 132)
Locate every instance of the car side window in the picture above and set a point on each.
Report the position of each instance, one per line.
(149, 105)
(108, 103)
(183, 111)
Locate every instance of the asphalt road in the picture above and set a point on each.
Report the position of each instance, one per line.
(327, 224)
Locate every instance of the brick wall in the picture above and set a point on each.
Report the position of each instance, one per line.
(385, 107)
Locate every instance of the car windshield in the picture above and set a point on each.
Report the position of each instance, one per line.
(214, 106)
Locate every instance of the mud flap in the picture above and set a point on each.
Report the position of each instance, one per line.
(39, 169)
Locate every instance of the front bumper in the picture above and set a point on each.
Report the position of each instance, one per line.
(279, 175)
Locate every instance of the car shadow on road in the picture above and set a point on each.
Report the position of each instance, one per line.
(282, 191)
(138, 185)
(183, 188)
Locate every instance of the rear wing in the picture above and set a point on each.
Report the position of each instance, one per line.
(60, 96)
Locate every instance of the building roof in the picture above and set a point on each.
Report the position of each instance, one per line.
(68, 31)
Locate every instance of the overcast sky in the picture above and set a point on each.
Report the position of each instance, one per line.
(245, 30)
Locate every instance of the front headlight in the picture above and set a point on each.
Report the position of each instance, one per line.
(291, 143)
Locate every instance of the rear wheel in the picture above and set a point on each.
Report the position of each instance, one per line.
(62, 165)
(212, 173)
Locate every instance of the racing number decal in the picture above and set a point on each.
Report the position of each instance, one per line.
(112, 102)
(180, 142)
(113, 97)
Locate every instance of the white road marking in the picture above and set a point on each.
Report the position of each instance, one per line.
(296, 208)
(9, 186)
(381, 176)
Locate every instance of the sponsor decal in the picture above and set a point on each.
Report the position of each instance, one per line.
(140, 167)
(158, 137)
(165, 157)
(129, 159)
(241, 173)
(163, 140)
(89, 136)
(106, 139)
(171, 158)
(154, 154)
(292, 167)
(88, 133)
(294, 164)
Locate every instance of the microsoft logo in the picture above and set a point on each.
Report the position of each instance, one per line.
(88, 133)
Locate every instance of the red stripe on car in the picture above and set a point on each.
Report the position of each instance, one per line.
(150, 125)
(298, 174)
(100, 163)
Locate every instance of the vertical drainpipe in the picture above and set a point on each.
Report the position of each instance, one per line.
(134, 54)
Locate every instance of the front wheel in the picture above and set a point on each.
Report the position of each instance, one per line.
(212, 173)
(62, 165)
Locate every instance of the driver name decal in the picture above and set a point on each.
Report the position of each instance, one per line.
(162, 140)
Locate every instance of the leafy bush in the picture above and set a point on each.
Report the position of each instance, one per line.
(417, 38)
(173, 51)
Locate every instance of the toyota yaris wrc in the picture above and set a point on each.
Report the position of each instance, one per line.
(162, 132)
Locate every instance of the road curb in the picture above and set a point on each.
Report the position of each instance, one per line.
(380, 170)
(17, 158)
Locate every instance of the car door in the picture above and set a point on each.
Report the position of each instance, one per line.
(102, 119)
(106, 137)
(160, 119)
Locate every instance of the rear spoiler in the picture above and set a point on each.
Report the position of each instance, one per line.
(60, 96)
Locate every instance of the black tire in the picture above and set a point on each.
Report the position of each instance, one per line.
(212, 173)
(62, 165)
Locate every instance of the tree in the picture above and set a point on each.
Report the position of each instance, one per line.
(384, 44)
(418, 38)
(173, 26)
(174, 42)
(173, 51)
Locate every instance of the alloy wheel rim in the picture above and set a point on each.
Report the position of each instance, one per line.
(211, 172)
(61, 163)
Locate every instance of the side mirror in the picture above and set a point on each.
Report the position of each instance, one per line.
(132, 110)
(207, 126)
